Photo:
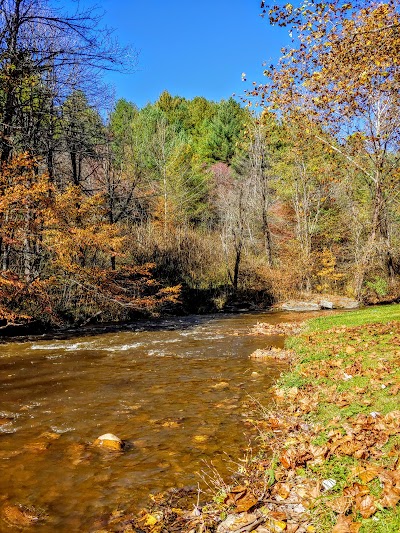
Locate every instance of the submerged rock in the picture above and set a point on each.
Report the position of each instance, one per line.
(272, 353)
(109, 442)
(42, 443)
(221, 385)
(20, 516)
(7, 418)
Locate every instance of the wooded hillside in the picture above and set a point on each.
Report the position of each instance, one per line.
(295, 189)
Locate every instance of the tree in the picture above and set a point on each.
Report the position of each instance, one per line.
(224, 132)
(230, 197)
(263, 149)
(24, 204)
(344, 75)
(174, 108)
(121, 128)
(40, 44)
(82, 132)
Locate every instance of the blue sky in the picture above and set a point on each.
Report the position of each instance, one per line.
(190, 48)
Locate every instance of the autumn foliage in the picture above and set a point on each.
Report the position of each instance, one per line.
(298, 197)
(56, 249)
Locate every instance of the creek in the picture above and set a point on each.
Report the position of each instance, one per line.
(178, 393)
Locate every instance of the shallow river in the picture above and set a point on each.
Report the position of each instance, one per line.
(178, 393)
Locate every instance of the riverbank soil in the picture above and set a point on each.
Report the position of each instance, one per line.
(329, 454)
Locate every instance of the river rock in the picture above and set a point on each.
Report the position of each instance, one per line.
(316, 302)
(20, 517)
(339, 302)
(7, 418)
(272, 353)
(221, 385)
(109, 442)
(300, 306)
(327, 304)
(42, 443)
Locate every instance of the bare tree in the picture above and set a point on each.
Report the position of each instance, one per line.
(43, 49)
(260, 174)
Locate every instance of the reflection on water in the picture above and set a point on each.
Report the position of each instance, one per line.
(178, 395)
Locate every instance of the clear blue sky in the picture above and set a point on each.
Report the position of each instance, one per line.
(190, 48)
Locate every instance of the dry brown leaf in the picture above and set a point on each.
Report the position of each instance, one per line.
(233, 497)
(239, 488)
(341, 504)
(350, 350)
(390, 497)
(346, 525)
(365, 505)
(277, 423)
(282, 490)
(278, 515)
(393, 416)
(246, 503)
(390, 477)
(370, 473)
(356, 489)
(286, 460)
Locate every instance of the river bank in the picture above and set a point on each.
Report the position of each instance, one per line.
(328, 458)
(195, 303)
(191, 302)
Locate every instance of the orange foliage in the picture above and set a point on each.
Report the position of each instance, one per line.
(57, 248)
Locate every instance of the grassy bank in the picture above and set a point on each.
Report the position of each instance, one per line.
(328, 457)
(346, 382)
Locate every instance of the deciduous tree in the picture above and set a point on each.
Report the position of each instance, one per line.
(343, 72)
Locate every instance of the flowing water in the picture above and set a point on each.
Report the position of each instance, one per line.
(177, 393)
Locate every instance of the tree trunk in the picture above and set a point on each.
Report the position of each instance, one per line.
(238, 257)
(267, 233)
(74, 165)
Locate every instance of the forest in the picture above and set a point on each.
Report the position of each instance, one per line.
(196, 205)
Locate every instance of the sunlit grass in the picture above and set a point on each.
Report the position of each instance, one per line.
(374, 358)
(359, 317)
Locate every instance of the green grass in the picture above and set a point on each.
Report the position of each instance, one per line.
(360, 317)
(377, 356)
(386, 521)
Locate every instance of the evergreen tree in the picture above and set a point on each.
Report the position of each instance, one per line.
(224, 132)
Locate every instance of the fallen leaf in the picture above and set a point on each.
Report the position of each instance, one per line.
(239, 488)
(276, 525)
(390, 497)
(365, 505)
(370, 473)
(149, 520)
(246, 503)
(282, 490)
(340, 505)
(345, 524)
(356, 490)
(286, 461)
